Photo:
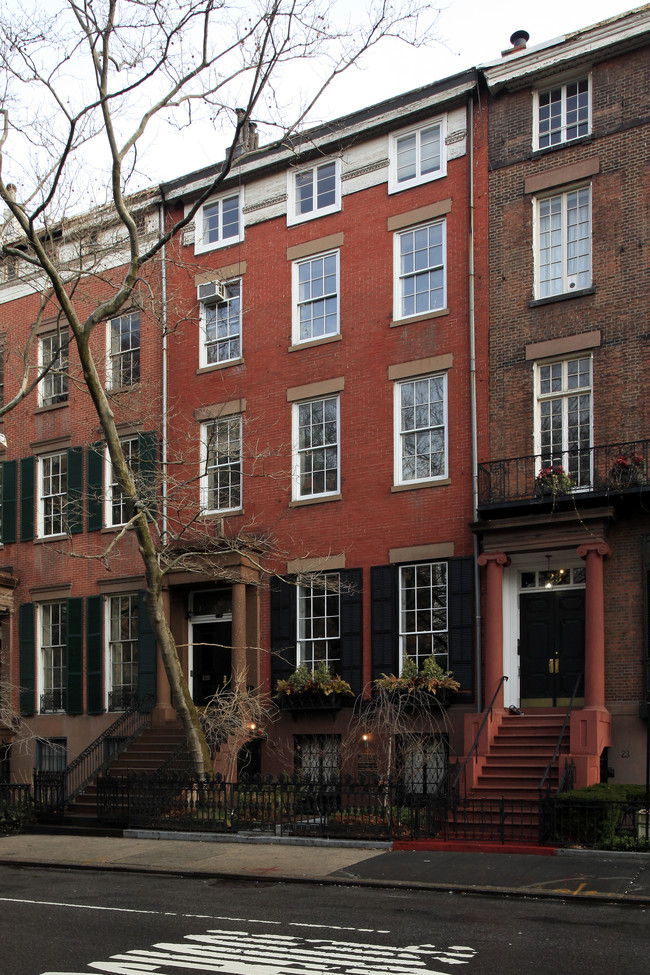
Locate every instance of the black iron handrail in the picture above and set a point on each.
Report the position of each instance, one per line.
(95, 758)
(488, 714)
(559, 742)
(606, 469)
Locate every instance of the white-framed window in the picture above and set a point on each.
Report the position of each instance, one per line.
(116, 509)
(316, 448)
(221, 464)
(420, 274)
(417, 156)
(562, 113)
(122, 650)
(52, 493)
(564, 417)
(563, 242)
(319, 629)
(314, 191)
(423, 627)
(316, 297)
(219, 222)
(220, 321)
(53, 349)
(52, 625)
(124, 350)
(421, 429)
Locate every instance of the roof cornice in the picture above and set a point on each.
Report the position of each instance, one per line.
(624, 32)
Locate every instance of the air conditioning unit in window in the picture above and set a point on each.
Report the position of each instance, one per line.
(212, 291)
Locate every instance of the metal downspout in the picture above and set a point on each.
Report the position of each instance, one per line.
(473, 412)
(163, 285)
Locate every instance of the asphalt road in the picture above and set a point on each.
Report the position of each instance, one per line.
(79, 923)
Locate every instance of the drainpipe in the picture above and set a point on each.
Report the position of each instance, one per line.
(163, 285)
(473, 412)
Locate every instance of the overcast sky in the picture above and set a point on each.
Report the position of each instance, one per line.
(471, 32)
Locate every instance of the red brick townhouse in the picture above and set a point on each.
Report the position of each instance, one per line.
(563, 492)
(76, 645)
(320, 379)
(310, 400)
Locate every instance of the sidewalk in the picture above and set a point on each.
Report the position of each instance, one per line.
(590, 875)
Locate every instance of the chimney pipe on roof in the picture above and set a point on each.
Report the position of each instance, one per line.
(518, 40)
(248, 137)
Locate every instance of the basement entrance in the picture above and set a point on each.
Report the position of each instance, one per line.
(552, 645)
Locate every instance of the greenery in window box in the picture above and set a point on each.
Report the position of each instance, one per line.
(553, 479)
(431, 678)
(627, 470)
(320, 681)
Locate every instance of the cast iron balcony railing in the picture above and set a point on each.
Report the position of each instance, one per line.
(122, 696)
(53, 700)
(611, 470)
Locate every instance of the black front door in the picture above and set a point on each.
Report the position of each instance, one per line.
(552, 647)
(211, 658)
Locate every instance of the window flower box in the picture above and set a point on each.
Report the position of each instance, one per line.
(626, 471)
(316, 690)
(418, 690)
(552, 481)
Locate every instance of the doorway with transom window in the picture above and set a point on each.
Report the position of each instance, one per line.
(209, 642)
(551, 635)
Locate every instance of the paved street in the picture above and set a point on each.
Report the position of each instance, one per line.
(76, 922)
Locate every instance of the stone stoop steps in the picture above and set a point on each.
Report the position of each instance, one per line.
(144, 755)
(508, 783)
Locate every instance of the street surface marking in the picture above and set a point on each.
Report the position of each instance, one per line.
(242, 953)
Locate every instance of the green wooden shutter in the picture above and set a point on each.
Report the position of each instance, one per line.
(74, 626)
(9, 500)
(95, 487)
(27, 657)
(147, 468)
(94, 656)
(283, 628)
(351, 623)
(383, 620)
(27, 485)
(147, 657)
(74, 512)
(461, 609)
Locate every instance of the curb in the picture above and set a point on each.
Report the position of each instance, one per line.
(528, 893)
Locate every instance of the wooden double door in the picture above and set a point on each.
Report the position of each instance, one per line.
(551, 647)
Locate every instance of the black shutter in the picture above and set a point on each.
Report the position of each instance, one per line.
(9, 500)
(74, 512)
(94, 655)
(351, 620)
(27, 657)
(95, 486)
(147, 468)
(27, 475)
(283, 629)
(646, 622)
(383, 620)
(74, 672)
(461, 611)
(146, 651)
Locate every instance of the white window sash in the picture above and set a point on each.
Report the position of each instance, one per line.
(201, 243)
(395, 147)
(567, 209)
(313, 300)
(225, 341)
(400, 434)
(326, 449)
(223, 468)
(401, 277)
(293, 175)
(580, 121)
(52, 496)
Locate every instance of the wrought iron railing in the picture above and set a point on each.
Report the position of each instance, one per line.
(612, 469)
(53, 700)
(121, 697)
(545, 784)
(54, 790)
(474, 749)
